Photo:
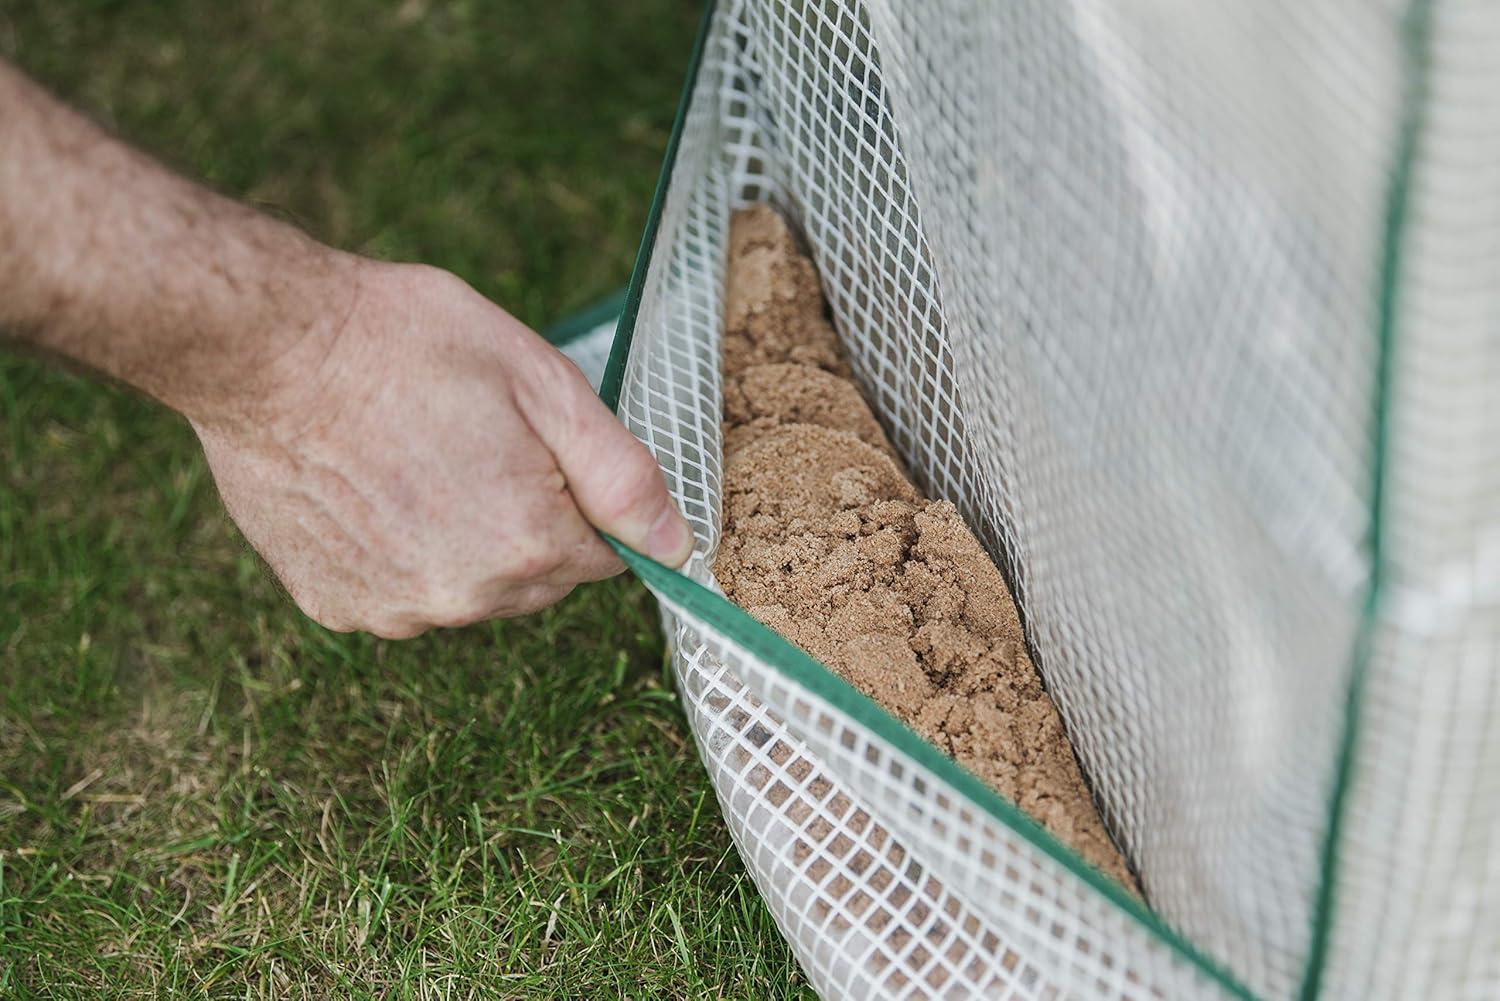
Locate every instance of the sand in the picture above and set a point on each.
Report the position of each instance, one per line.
(827, 541)
(767, 318)
(761, 398)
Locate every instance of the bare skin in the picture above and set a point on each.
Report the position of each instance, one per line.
(402, 452)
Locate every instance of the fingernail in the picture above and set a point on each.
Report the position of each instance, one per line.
(670, 540)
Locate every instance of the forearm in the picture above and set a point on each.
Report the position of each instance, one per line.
(111, 260)
(403, 452)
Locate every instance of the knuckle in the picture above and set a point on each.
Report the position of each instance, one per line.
(539, 598)
(458, 618)
(603, 569)
(533, 564)
(596, 561)
(396, 630)
(557, 372)
(440, 280)
(447, 602)
(639, 490)
(452, 606)
(553, 382)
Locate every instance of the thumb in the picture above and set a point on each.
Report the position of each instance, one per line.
(613, 478)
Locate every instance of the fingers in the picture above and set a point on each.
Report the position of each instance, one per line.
(589, 559)
(532, 599)
(573, 554)
(511, 603)
(458, 477)
(569, 552)
(613, 479)
(551, 549)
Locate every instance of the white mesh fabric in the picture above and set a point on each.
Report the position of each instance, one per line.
(1110, 274)
(861, 853)
(1161, 298)
(1418, 902)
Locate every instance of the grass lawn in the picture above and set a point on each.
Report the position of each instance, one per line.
(201, 793)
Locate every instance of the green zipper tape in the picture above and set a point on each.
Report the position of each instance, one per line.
(1416, 32)
(614, 372)
(795, 665)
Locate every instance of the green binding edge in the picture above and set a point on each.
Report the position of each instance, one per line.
(792, 663)
(795, 665)
(1416, 47)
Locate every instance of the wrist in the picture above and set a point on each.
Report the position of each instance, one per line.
(273, 357)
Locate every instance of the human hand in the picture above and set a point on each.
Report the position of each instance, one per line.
(430, 461)
(403, 453)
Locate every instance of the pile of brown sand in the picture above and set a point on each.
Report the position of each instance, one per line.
(827, 542)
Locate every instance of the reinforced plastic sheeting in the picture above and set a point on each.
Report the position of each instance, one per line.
(1192, 309)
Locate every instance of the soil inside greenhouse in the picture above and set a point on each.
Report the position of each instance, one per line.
(827, 541)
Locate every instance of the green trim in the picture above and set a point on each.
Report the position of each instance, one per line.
(796, 666)
(575, 325)
(614, 372)
(1416, 44)
(792, 663)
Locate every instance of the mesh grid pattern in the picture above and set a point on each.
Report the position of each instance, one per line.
(1421, 868)
(1108, 273)
(1197, 647)
(870, 916)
